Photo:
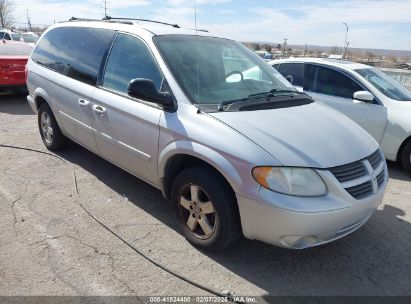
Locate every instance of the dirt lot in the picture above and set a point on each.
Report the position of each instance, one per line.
(50, 246)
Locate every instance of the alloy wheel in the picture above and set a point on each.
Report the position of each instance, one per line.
(197, 211)
(46, 128)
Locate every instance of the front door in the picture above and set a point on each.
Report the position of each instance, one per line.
(127, 129)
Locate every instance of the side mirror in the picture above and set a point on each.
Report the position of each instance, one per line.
(364, 96)
(145, 89)
(290, 78)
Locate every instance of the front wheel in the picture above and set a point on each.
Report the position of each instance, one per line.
(205, 209)
(50, 132)
(406, 157)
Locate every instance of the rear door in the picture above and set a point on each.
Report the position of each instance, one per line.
(336, 89)
(74, 56)
(127, 129)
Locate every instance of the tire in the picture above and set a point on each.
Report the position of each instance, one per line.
(192, 192)
(406, 157)
(50, 132)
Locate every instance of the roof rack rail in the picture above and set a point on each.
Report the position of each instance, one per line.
(108, 18)
(200, 30)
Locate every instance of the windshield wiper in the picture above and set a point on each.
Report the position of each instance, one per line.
(274, 92)
(268, 94)
(224, 103)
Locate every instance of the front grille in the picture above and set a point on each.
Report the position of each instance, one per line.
(380, 178)
(358, 177)
(349, 172)
(360, 191)
(375, 159)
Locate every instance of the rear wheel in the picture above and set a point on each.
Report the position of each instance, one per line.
(406, 157)
(205, 209)
(50, 132)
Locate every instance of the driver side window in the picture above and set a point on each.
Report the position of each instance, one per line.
(129, 59)
(330, 82)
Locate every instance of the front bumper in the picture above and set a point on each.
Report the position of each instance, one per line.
(302, 222)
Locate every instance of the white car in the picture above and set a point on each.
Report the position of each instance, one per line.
(378, 103)
(10, 35)
(28, 37)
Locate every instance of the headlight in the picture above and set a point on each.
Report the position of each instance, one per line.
(290, 181)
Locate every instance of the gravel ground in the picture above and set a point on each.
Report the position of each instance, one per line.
(50, 246)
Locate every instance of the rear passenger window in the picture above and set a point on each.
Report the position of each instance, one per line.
(330, 82)
(130, 59)
(296, 70)
(76, 52)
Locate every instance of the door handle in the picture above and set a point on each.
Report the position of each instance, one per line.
(83, 102)
(99, 109)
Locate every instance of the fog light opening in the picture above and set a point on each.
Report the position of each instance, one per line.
(305, 242)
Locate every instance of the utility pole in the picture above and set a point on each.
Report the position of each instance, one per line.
(285, 46)
(346, 50)
(305, 50)
(105, 7)
(28, 21)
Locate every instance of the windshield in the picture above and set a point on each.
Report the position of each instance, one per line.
(385, 84)
(213, 70)
(30, 38)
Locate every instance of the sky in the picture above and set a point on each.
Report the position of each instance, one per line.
(382, 24)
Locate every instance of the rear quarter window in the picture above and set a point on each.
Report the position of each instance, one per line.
(75, 52)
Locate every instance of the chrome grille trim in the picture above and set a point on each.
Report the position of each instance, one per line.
(362, 178)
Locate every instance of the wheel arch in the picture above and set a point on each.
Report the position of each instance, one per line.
(40, 97)
(180, 155)
(402, 146)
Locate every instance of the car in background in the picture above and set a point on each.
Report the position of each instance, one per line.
(377, 102)
(267, 56)
(27, 37)
(10, 35)
(405, 66)
(13, 60)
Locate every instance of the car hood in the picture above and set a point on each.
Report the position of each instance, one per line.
(311, 135)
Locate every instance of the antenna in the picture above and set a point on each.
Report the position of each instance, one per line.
(195, 15)
(196, 40)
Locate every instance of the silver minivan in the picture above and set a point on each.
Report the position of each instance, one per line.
(235, 148)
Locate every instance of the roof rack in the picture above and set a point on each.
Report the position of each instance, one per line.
(108, 18)
(200, 30)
